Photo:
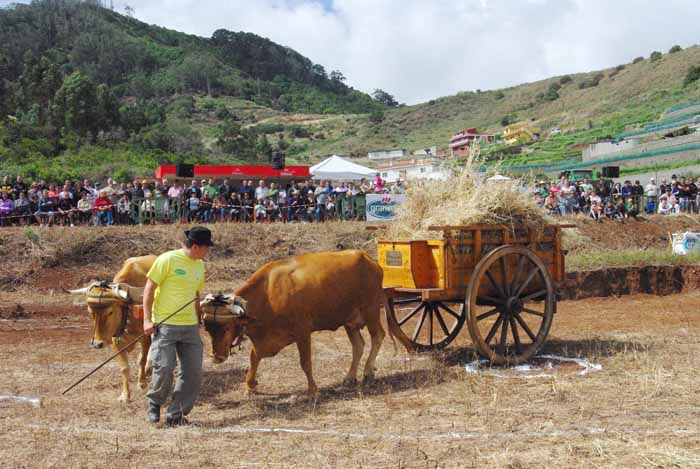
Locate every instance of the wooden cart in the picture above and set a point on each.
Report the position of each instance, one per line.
(501, 281)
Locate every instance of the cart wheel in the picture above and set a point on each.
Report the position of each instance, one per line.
(429, 325)
(510, 305)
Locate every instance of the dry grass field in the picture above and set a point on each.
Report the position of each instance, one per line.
(640, 410)
(425, 410)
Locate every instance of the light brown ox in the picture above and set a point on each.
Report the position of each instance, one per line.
(287, 300)
(108, 302)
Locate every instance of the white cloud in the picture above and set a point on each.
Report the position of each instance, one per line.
(419, 49)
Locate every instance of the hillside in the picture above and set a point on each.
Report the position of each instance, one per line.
(590, 106)
(623, 99)
(76, 74)
(87, 91)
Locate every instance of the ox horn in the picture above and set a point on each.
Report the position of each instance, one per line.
(81, 291)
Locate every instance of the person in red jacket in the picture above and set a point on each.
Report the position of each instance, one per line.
(103, 209)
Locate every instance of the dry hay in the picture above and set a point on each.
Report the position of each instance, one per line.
(464, 200)
(64, 257)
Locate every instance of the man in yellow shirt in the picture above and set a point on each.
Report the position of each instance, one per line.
(176, 278)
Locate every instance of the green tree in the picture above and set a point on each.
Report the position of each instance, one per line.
(76, 105)
(675, 49)
(236, 141)
(692, 75)
(637, 60)
(263, 149)
(655, 56)
(385, 98)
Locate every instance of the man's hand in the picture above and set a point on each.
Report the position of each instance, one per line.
(148, 328)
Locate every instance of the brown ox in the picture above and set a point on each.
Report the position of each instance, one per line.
(114, 310)
(287, 300)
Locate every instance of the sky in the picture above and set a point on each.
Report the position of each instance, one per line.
(418, 50)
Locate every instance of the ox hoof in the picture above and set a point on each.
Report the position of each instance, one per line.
(96, 344)
(368, 379)
(251, 392)
(350, 381)
(123, 398)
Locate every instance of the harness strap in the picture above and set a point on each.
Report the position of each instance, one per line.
(123, 320)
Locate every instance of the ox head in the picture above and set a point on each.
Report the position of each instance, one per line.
(224, 319)
(105, 303)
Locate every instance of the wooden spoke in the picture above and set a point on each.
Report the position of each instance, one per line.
(494, 284)
(529, 277)
(525, 327)
(430, 323)
(443, 326)
(419, 326)
(518, 273)
(494, 328)
(516, 336)
(504, 336)
(411, 314)
(447, 309)
(504, 277)
(532, 296)
(532, 311)
(489, 300)
(487, 314)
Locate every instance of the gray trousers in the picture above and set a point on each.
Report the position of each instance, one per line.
(168, 343)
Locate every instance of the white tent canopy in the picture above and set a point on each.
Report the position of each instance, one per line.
(498, 177)
(336, 168)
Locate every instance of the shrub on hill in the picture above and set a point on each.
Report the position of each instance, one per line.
(675, 49)
(637, 60)
(693, 74)
(616, 70)
(552, 93)
(376, 117)
(565, 79)
(656, 55)
(591, 82)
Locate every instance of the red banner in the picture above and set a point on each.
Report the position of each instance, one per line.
(238, 171)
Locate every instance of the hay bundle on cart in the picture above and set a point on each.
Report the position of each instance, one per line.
(481, 254)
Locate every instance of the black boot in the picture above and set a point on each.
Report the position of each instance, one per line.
(176, 421)
(153, 413)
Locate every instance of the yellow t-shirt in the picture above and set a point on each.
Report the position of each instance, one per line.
(179, 278)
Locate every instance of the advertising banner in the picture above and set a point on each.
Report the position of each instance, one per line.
(382, 207)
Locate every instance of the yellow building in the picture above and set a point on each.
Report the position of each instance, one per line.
(519, 133)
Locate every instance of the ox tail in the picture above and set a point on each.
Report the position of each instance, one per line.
(394, 329)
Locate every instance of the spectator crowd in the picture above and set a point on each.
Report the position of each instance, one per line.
(199, 200)
(208, 201)
(618, 201)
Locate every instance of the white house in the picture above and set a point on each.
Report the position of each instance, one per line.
(430, 168)
(386, 154)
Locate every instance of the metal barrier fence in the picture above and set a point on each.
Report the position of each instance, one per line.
(160, 210)
(644, 205)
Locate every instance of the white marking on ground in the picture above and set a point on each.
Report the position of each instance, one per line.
(34, 401)
(196, 430)
(523, 371)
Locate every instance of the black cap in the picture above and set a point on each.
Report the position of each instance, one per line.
(199, 235)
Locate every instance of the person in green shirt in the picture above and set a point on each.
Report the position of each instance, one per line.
(211, 190)
(176, 278)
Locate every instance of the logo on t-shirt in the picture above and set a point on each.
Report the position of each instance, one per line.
(180, 272)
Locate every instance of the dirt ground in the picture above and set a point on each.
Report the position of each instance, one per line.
(639, 410)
